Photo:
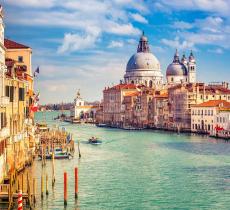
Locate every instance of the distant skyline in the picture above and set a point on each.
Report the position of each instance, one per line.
(86, 44)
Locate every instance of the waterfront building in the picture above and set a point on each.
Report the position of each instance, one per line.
(16, 96)
(113, 107)
(205, 117)
(141, 108)
(81, 110)
(222, 122)
(99, 116)
(183, 96)
(143, 67)
(21, 54)
(129, 103)
(158, 111)
(181, 71)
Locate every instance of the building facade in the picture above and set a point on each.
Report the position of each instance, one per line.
(16, 123)
(82, 110)
(113, 107)
(205, 117)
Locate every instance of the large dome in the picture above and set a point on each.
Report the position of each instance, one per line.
(143, 61)
(176, 69)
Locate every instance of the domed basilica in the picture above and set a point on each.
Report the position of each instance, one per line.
(143, 67)
(181, 71)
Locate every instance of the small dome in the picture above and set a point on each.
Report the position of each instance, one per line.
(143, 61)
(176, 69)
(143, 38)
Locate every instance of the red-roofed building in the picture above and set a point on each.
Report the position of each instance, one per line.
(183, 96)
(203, 116)
(113, 107)
(9, 44)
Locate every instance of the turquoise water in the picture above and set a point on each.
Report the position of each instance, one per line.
(141, 170)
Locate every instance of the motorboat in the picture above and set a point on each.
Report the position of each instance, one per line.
(94, 140)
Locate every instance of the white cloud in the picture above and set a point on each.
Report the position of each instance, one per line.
(182, 25)
(221, 7)
(91, 18)
(114, 44)
(32, 3)
(178, 44)
(73, 42)
(139, 18)
(217, 51)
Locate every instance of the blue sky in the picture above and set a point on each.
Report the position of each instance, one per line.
(85, 44)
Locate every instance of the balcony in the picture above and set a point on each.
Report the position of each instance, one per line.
(4, 101)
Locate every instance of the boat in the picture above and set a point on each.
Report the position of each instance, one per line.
(42, 127)
(59, 153)
(94, 140)
(102, 125)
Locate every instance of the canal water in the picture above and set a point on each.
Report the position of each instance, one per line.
(139, 170)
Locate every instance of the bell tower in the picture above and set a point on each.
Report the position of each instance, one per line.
(78, 100)
(191, 68)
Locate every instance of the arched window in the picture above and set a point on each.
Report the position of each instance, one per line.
(132, 82)
(150, 83)
(171, 79)
(146, 83)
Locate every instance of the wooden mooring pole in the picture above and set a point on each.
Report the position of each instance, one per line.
(34, 190)
(47, 191)
(53, 172)
(76, 182)
(79, 151)
(65, 188)
(42, 185)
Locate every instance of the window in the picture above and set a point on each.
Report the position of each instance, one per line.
(11, 93)
(7, 91)
(21, 93)
(3, 120)
(20, 59)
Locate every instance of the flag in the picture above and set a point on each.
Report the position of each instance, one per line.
(34, 107)
(37, 71)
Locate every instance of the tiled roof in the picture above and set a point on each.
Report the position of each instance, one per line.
(131, 94)
(214, 103)
(122, 86)
(88, 107)
(9, 44)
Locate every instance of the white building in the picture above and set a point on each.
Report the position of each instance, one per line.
(181, 71)
(81, 110)
(143, 67)
(222, 122)
(204, 115)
